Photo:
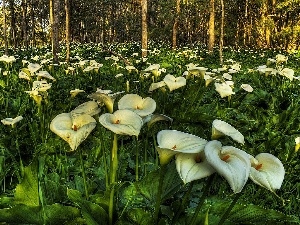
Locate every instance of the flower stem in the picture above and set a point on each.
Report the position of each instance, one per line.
(159, 191)
(202, 199)
(83, 174)
(183, 203)
(136, 159)
(225, 215)
(114, 169)
(114, 160)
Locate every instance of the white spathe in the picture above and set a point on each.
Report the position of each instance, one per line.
(123, 122)
(73, 131)
(137, 104)
(193, 166)
(231, 163)
(267, 171)
(174, 82)
(221, 128)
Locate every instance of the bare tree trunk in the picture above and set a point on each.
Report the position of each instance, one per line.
(4, 28)
(222, 32)
(24, 24)
(54, 29)
(144, 28)
(32, 15)
(67, 8)
(175, 25)
(211, 26)
(12, 34)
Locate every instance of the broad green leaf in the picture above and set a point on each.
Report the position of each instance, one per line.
(140, 216)
(52, 214)
(27, 191)
(145, 191)
(91, 212)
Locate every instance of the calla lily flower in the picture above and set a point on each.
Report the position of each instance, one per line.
(193, 166)
(224, 89)
(123, 121)
(171, 142)
(137, 104)
(45, 74)
(297, 146)
(75, 92)
(40, 85)
(153, 118)
(247, 87)
(23, 75)
(33, 67)
(174, 82)
(11, 121)
(157, 85)
(91, 108)
(221, 128)
(288, 73)
(267, 171)
(281, 58)
(231, 163)
(154, 69)
(73, 131)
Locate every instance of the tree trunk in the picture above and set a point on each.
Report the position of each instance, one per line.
(54, 29)
(4, 28)
(67, 8)
(222, 32)
(175, 25)
(12, 24)
(211, 26)
(24, 24)
(32, 15)
(144, 28)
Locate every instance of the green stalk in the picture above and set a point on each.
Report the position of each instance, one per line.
(136, 159)
(183, 203)
(159, 192)
(225, 215)
(202, 199)
(114, 169)
(83, 175)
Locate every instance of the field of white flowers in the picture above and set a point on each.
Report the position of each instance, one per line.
(174, 138)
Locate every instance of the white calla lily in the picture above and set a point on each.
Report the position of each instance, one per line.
(171, 142)
(267, 171)
(174, 82)
(193, 166)
(123, 122)
(221, 128)
(224, 89)
(137, 104)
(91, 108)
(231, 163)
(73, 131)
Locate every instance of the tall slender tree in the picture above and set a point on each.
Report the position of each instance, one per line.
(67, 8)
(211, 26)
(54, 29)
(144, 28)
(175, 25)
(4, 28)
(222, 31)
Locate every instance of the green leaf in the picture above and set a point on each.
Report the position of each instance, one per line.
(27, 191)
(91, 212)
(140, 216)
(53, 214)
(243, 213)
(145, 191)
